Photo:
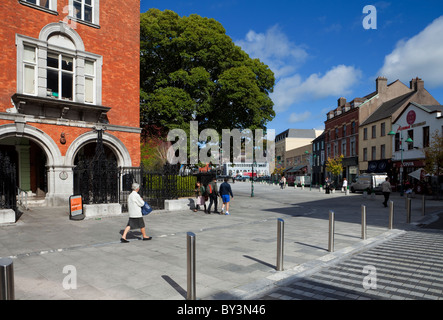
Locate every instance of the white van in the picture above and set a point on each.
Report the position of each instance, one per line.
(372, 181)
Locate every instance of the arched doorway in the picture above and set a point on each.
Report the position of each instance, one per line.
(85, 158)
(96, 174)
(30, 161)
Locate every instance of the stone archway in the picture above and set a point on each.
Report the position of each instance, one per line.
(114, 144)
(57, 192)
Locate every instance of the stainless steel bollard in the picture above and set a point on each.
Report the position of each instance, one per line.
(423, 205)
(408, 210)
(391, 215)
(363, 222)
(190, 239)
(7, 291)
(331, 231)
(280, 243)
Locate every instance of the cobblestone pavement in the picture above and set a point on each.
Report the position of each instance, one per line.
(408, 267)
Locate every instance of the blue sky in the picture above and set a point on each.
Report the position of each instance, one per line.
(320, 50)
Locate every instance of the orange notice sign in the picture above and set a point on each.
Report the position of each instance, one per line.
(76, 205)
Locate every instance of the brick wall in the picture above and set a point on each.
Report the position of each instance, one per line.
(117, 41)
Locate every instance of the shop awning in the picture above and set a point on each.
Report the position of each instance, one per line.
(296, 169)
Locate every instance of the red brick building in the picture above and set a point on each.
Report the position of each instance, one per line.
(68, 68)
(342, 124)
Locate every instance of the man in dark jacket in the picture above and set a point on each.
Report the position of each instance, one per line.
(226, 194)
(213, 194)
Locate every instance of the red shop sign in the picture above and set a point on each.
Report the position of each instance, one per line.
(410, 118)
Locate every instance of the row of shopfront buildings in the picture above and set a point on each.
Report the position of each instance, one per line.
(386, 131)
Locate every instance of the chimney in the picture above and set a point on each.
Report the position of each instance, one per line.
(417, 84)
(341, 102)
(382, 84)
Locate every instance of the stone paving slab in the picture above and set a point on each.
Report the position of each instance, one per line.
(236, 254)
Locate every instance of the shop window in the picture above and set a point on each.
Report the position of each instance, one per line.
(410, 135)
(425, 137)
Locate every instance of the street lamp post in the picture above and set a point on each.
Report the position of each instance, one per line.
(408, 140)
(252, 179)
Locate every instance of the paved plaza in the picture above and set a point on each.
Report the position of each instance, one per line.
(235, 254)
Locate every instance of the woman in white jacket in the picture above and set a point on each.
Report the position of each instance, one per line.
(135, 203)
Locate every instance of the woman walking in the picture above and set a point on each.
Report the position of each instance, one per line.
(200, 194)
(135, 204)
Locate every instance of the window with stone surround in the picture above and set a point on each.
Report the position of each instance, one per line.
(85, 11)
(44, 5)
(58, 68)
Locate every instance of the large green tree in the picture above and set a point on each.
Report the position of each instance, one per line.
(192, 71)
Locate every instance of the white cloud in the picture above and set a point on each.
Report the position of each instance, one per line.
(274, 49)
(336, 82)
(420, 56)
(284, 58)
(299, 117)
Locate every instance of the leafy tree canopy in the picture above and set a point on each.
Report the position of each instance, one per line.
(192, 71)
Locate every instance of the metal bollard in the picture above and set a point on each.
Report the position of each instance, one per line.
(7, 291)
(391, 215)
(190, 237)
(408, 210)
(423, 205)
(331, 231)
(363, 222)
(280, 243)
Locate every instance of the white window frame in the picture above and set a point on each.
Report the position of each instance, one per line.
(52, 4)
(95, 4)
(93, 78)
(33, 64)
(79, 56)
(61, 71)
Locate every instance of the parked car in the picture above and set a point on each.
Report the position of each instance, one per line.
(369, 181)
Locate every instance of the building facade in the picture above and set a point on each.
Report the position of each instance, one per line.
(417, 122)
(289, 140)
(375, 154)
(69, 69)
(318, 160)
(342, 124)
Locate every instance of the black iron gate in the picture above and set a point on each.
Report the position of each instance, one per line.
(97, 179)
(8, 186)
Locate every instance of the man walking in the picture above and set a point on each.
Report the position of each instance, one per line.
(213, 194)
(225, 193)
(386, 189)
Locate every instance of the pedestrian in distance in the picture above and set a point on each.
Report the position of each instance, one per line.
(213, 195)
(327, 185)
(225, 192)
(386, 189)
(200, 195)
(282, 182)
(135, 204)
(345, 184)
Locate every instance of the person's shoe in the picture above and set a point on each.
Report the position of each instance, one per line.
(227, 213)
(216, 212)
(123, 240)
(148, 238)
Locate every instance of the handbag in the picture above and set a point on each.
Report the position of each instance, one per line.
(146, 209)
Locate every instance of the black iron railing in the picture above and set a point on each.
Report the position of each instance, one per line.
(8, 194)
